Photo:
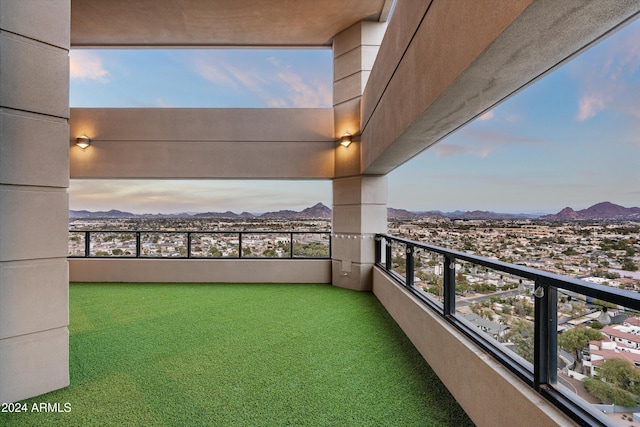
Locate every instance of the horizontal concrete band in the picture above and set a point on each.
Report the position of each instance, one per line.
(495, 397)
(203, 143)
(200, 271)
(203, 160)
(202, 124)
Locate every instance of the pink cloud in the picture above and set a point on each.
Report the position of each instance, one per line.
(487, 116)
(276, 83)
(86, 65)
(612, 83)
(302, 94)
(213, 72)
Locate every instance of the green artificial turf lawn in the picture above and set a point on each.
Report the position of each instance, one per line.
(234, 354)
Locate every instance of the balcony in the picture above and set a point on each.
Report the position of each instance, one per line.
(398, 89)
(417, 284)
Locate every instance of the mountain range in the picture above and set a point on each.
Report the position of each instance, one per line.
(603, 210)
(318, 210)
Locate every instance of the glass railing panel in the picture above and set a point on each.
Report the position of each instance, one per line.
(214, 245)
(599, 355)
(499, 305)
(428, 277)
(76, 244)
(163, 245)
(112, 244)
(399, 258)
(311, 245)
(266, 245)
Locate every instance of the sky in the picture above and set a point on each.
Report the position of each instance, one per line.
(570, 139)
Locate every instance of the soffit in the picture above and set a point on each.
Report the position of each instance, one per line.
(232, 23)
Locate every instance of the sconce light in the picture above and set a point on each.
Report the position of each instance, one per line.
(83, 141)
(345, 141)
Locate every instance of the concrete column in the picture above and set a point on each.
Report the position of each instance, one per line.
(359, 211)
(34, 176)
(359, 202)
(354, 52)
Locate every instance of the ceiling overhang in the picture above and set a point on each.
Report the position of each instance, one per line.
(219, 23)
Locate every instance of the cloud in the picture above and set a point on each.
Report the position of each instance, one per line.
(611, 79)
(449, 150)
(160, 102)
(487, 116)
(303, 94)
(481, 142)
(590, 105)
(274, 83)
(87, 65)
(214, 73)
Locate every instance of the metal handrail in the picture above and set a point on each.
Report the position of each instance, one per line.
(543, 378)
(189, 241)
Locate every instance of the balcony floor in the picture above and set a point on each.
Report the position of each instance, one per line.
(234, 354)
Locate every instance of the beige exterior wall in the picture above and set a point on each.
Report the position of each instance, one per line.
(487, 391)
(200, 271)
(34, 175)
(243, 143)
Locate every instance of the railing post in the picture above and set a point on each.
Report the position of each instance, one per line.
(138, 245)
(388, 262)
(240, 244)
(449, 286)
(410, 249)
(87, 243)
(188, 244)
(545, 359)
(291, 245)
(377, 241)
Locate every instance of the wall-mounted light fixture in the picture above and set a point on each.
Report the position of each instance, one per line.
(83, 141)
(345, 141)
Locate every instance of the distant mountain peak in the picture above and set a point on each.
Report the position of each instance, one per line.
(602, 210)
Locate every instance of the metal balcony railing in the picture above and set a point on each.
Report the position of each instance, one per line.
(199, 244)
(491, 303)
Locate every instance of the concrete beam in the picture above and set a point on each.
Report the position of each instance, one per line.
(217, 23)
(203, 143)
(444, 63)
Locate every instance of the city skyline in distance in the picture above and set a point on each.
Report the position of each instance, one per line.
(570, 139)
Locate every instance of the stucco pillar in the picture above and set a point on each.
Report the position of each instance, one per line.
(359, 202)
(359, 211)
(34, 176)
(354, 53)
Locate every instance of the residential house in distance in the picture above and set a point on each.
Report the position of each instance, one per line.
(622, 342)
